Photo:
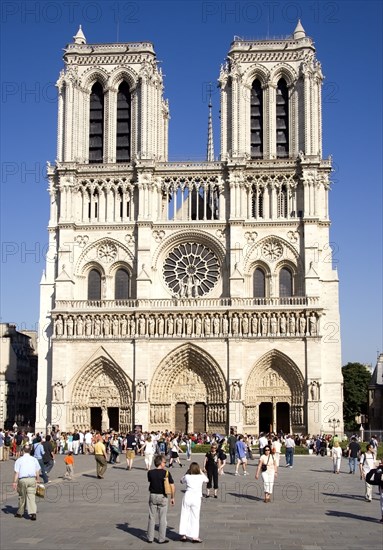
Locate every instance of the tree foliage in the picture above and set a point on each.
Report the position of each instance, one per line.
(356, 379)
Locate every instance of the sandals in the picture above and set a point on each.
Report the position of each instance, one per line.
(197, 541)
(183, 539)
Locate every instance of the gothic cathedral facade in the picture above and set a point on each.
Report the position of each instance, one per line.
(192, 296)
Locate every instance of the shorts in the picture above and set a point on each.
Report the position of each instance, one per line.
(130, 454)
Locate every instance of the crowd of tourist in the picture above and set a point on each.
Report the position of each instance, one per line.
(36, 454)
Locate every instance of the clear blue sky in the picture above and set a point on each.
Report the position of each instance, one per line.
(192, 39)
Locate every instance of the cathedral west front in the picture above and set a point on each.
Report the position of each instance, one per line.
(192, 296)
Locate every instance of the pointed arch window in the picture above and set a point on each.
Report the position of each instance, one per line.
(282, 105)
(123, 123)
(256, 122)
(96, 124)
(94, 285)
(122, 285)
(259, 283)
(285, 283)
(282, 202)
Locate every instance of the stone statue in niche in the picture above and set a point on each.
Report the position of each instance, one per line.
(69, 326)
(161, 325)
(58, 392)
(313, 324)
(59, 326)
(80, 326)
(302, 324)
(282, 324)
(170, 323)
(198, 325)
(292, 324)
(235, 391)
(88, 326)
(314, 390)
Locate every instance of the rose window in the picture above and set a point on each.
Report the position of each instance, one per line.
(272, 250)
(191, 270)
(107, 252)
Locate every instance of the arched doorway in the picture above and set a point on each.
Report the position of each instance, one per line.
(101, 397)
(188, 393)
(274, 395)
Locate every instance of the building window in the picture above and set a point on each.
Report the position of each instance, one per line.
(285, 283)
(94, 285)
(259, 284)
(282, 119)
(96, 124)
(123, 123)
(121, 285)
(256, 122)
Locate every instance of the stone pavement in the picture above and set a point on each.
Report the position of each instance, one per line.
(311, 509)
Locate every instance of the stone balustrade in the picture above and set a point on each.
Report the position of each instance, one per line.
(188, 303)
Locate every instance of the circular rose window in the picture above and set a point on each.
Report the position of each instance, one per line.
(191, 270)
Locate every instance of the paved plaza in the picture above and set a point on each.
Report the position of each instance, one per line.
(311, 509)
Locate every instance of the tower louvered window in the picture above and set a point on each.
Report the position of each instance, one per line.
(94, 285)
(96, 124)
(282, 104)
(282, 202)
(123, 123)
(256, 126)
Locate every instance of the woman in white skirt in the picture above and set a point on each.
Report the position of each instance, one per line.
(336, 452)
(268, 466)
(191, 503)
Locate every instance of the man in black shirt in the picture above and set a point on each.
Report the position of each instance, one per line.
(158, 500)
(353, 452)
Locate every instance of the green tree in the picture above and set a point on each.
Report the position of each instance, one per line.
(356, 378)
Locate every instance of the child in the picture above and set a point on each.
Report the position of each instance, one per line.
(69, 461)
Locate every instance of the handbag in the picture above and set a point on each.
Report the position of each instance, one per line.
(167, 488)
(264, 466)
(40, 490)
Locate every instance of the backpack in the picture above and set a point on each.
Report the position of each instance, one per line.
(32, 450)
(7, 441)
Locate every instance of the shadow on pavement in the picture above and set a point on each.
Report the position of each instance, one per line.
(348, 515)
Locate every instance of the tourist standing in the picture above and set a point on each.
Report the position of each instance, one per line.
(269, 470)
(289, 453)
(241, 450)
(158, 500)
(27, 469)
(148, 448)
(191, 503)
(375, 477)
(100, 456)
(276, 449)
(367, 463)
(69, 466)
(211, 467)
(38, 453)
(353, 453)
(174, 453)
(231, 441)
(336, 453)
(131, 445)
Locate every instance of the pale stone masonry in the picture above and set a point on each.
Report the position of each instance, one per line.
(190, 295)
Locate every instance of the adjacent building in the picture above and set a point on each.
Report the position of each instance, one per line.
(190, 295)
(18, 376)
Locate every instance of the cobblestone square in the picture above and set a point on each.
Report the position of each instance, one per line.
(311, 509)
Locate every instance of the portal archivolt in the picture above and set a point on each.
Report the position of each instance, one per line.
(103, 385)
(188, 392)
(275, 380)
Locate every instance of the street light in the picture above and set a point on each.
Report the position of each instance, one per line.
(334, 424)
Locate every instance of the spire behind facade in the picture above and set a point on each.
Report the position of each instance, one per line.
(210, 143)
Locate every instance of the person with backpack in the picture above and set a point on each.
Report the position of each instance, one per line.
(7, 446)
(375, 477)
(38, 452)
(374, 444)
(367, 463)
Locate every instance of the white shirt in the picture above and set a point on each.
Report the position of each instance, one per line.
(26, 466)
(367, 461)
(194, 483)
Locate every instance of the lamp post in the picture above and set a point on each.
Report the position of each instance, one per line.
(334, 424)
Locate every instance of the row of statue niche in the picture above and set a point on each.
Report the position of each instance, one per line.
(296, 415)
(216, 414)
(160, 415)
(256, 324)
